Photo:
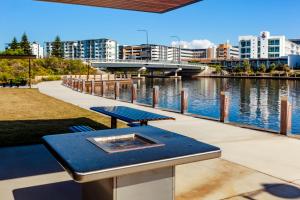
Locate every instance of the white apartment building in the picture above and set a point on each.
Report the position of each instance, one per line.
(266, 46)
(87, 49)
(37, 50)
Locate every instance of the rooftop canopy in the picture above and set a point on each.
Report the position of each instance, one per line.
(156, 6)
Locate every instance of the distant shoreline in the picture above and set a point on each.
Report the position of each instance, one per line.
(249, 77)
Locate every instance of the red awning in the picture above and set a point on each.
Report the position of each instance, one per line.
(156, 6)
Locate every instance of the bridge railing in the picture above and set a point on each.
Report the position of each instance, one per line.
(141, 61)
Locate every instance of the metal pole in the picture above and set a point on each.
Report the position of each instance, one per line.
(88, 72)
(147, 40)
(179, 47)
(29, 73)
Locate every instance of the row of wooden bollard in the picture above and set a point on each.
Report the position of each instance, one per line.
(285, 112)
(89, 87)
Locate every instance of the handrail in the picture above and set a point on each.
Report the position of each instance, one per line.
(141, 61)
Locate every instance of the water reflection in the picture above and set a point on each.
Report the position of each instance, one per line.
(253, 102)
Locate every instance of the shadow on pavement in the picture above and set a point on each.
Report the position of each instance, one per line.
(23, 161)
(283, 191)
(30, 160)
(68, 190)
(277, 190)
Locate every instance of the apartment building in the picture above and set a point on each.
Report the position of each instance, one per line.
(163, 53)
(227, 52)
(87, 49)
(297, 41)
(37, 50)
(266, 46)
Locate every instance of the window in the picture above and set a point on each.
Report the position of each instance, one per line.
(274, 42)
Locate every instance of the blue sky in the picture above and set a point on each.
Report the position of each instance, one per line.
(215, 20)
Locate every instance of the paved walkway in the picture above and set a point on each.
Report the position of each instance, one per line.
(254, 164)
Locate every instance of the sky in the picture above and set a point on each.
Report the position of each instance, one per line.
(197, 25)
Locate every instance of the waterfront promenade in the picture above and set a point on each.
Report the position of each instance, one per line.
(250, 161)
(254, 165)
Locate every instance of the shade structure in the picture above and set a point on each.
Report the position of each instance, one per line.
(156, 6)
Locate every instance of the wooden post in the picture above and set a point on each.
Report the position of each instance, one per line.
(93, 86)
(103, 90)
(73, 83)
(77, 85)
(155, 94)
(184, 101)
(117, 90)
(285, 116)
(83, 86)
(224, 106)
(133, 93)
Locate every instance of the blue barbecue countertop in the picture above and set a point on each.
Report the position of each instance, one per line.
(82, 159)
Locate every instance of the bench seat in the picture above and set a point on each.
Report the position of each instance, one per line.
(81, 128)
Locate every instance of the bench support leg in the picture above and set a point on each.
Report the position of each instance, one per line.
(113, 123)
(144, 123)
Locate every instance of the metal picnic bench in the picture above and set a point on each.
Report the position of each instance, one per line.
(130, 115)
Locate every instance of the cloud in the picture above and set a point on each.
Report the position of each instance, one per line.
(194, 44)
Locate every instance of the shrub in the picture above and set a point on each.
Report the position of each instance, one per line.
(51, 78)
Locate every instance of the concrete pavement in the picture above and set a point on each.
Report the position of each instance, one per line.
(254, 164)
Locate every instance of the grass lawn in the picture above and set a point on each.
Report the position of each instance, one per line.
(26, 115)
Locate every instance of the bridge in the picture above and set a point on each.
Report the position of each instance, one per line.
(148, 65)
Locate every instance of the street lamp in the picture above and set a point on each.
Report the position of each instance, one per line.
(178, 40)
(147, 38)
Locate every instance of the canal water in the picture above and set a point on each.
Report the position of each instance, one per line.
(254, 102)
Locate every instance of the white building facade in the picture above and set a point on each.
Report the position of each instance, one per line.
(266, 46)
(103, 49)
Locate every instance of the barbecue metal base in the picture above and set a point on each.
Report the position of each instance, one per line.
(155, 184)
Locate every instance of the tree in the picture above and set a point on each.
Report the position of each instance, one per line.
(246, 66)
(57, 48)
(262, 68)
(272, 67)
(286, 68)
(218, 69)
(25, 45)
(13, 52)
(14, 45)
